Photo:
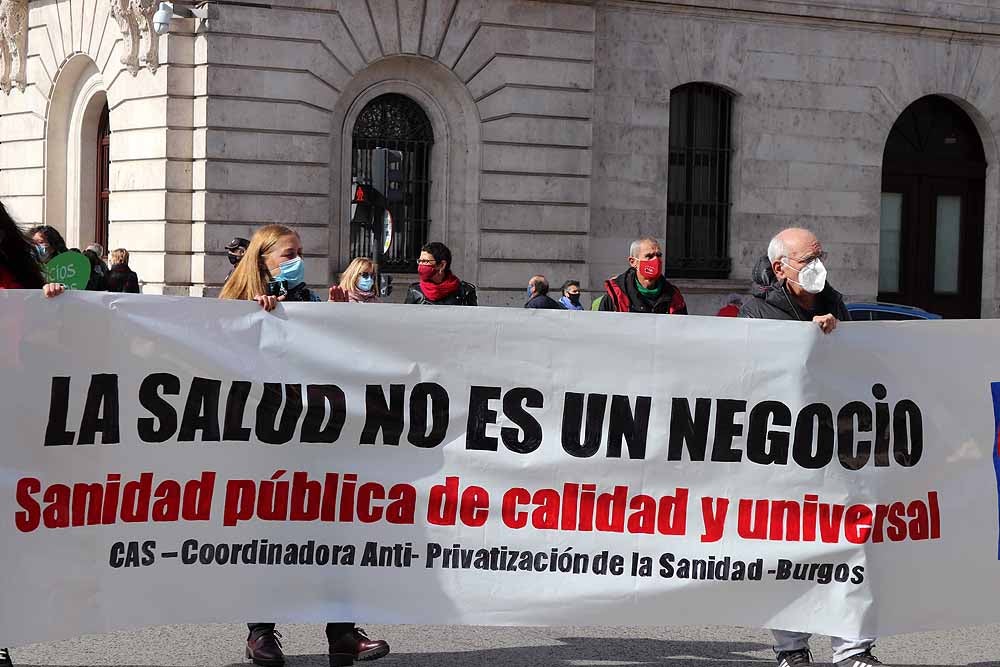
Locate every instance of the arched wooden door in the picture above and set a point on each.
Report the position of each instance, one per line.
(102, 219)
(933, 184)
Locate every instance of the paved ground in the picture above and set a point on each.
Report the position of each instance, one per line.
(423, 646)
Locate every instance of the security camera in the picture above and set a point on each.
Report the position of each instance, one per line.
(167, 11)
(162, 18)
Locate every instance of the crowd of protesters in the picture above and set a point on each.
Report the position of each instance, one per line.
(789, 283)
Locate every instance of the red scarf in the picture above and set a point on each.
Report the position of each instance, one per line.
(7, 280)
(442, 290)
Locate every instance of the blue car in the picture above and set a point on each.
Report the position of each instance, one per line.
(865, 312)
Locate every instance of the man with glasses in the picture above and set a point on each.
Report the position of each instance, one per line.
(643, 289)
(790, 284)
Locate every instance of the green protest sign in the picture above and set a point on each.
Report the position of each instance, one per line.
(72, 269)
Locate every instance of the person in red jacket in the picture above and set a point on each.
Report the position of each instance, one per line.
(643, 289)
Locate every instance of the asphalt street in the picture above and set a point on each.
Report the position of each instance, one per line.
(427, 646)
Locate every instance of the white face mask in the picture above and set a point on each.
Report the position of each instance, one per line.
(812, 276)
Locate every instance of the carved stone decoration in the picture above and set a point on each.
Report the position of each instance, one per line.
(122, 11)
(135, 19)
(143, 10)
(14, 44)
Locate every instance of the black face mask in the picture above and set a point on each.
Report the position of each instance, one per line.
(574, 299)
(234, 259)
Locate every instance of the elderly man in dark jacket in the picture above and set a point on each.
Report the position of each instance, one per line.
(790, 284)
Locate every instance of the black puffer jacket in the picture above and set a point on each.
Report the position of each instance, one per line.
(465, 296)
(771, 301)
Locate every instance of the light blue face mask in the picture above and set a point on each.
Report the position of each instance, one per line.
(293, 271)
(366, 284)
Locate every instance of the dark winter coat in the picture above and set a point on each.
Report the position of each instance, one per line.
(122, 279)
(544, 302)
(770, 300)
(622, 295)
(98, 272)
(465, 296)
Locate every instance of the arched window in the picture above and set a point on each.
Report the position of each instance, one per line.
(101, 220)
(398, 123)
(698, 180)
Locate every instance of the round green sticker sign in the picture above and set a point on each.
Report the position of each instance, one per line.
(72, 269)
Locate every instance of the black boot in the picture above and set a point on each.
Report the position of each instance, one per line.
(264, 648)
(5, 658)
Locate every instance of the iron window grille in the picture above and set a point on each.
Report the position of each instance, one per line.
(396, 122)
(698, 182)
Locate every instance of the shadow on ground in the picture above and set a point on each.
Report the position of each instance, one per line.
(578, 652)
(586, 652)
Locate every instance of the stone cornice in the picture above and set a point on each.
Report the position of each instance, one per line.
(971, 23)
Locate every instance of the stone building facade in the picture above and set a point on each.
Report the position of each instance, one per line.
(540, 136)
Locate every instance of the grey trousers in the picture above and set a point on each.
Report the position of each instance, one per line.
(843, 647)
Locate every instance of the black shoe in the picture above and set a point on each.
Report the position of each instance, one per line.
(800, 658)
(356, 645)
(264, 648)
(5, 658)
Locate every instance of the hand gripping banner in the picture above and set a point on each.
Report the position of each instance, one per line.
(173, 460)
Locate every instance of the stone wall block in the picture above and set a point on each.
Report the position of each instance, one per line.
(515, 187)
(536, 159)
(508, 69)
(535, 246)
(465, 22)
(525, 13)
(551, 131)
(537, 102)
(532, 217)
(258, 209)
(436, 16)
(410, 22)
(252, 114)
(355, 16)
(386, 24)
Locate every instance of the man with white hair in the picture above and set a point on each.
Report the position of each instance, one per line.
(642, 288)
(790, 284)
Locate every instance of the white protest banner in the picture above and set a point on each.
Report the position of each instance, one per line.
(171, 460)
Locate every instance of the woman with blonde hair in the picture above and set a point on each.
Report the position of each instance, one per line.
(121, 278)
(358, 281)
(272, 270)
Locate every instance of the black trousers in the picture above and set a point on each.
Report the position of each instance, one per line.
(334, 631)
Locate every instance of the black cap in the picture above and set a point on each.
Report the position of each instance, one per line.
(236, 243)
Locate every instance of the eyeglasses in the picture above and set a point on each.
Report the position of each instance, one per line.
(427, 262)
(366, 274)
(821, 256)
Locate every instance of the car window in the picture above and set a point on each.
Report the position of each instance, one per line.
(860, 315)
